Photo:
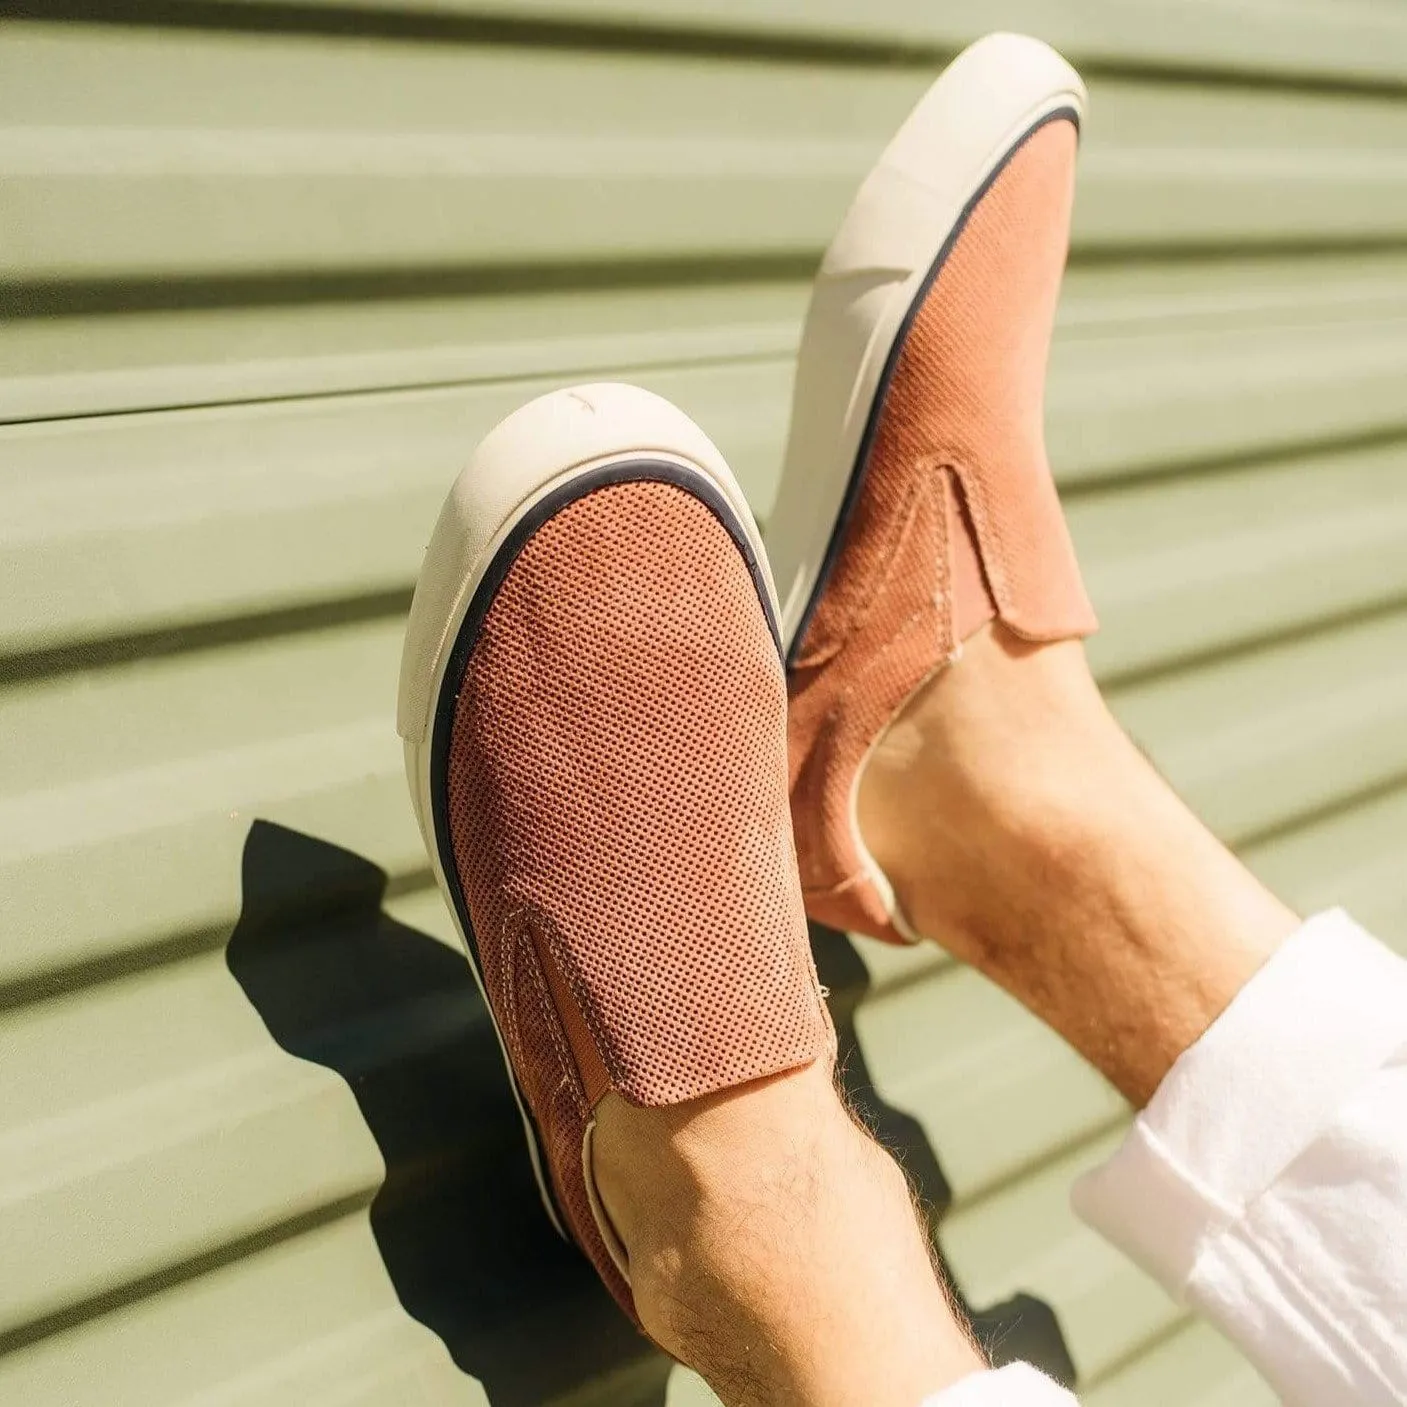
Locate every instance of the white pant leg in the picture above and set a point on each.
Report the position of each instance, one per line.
(1265, 1184)
(1015, 1386)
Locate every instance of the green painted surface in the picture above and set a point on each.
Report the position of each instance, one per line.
(263, 284)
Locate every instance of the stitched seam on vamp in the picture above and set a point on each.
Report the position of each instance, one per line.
(507, 967)
(610, 1058)
(547, 1010)
(925, 470)
(991, 550)
(848, 691)
(908, 514)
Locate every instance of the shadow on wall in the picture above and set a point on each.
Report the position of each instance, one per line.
(458, 1222)
(1022, 1327)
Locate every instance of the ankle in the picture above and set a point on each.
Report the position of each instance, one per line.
(1024, 831)
(981, 795)
(669, 1174)
(765, 1217)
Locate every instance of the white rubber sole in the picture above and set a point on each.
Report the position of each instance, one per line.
(900, 227)
(546, 453)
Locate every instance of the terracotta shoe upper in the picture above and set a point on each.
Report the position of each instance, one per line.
(613, 820)
(953, 519)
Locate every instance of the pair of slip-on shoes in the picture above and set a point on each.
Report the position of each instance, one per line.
(633, 745)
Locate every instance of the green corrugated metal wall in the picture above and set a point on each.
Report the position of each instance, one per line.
(268, 271)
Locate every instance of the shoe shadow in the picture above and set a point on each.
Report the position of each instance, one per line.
(457, 1221)
(1021, 1328)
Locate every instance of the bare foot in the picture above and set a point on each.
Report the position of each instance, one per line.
(1025, 832)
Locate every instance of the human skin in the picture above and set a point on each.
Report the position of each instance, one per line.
(774, 1247)
(1024, 831)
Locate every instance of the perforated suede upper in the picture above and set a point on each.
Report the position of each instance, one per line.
(957, 518)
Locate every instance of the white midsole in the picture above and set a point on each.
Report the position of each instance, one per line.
(959, 134)
(542, 448)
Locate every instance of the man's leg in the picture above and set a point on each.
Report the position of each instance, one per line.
(776, 1250)
(955, 774)
(1266, 1181)
(1023, 830)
